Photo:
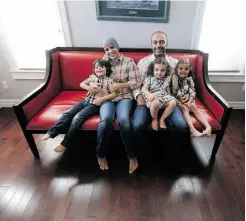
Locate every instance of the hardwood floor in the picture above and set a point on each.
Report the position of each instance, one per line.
(70, 187)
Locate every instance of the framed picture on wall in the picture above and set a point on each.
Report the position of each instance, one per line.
(139, 11)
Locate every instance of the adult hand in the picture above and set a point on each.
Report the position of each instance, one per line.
(185, 98)
(140, 100)
(114, 87)
(99, 101)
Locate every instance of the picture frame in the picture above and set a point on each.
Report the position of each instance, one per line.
(138, 11)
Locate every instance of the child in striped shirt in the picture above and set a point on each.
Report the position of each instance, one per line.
(183, 88)
(156, 92)
(98, 87)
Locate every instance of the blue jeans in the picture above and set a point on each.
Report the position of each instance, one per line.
(142, 119)
(105, 128)
(73, 119)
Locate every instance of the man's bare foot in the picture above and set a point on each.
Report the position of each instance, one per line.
(133, 166)
(59, 148)
(208, 131)
(196, 133)
(154, 124)
(103, 164)
(163, 124)
(46, 137)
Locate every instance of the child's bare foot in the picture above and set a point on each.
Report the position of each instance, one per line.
(133, 166)
(103, 164)
(45, 137)
(196, 133)
(208, 131)
(59, 148)
(163, 124)
(154, 124)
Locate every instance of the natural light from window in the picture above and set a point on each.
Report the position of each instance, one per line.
(31, 27)
(223, 35)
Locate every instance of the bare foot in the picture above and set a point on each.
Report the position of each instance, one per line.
(133, 166)
(154, 124)
(196, 133)
(59, 148)
(103, 164)
(46, 137)
(208, 131)
(163, 124)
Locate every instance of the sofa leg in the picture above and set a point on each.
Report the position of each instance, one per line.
(31, 142)
(217, 143)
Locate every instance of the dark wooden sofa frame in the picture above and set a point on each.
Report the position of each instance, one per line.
(23, 121)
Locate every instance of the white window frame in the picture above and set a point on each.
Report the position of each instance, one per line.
(214, 76)
(39, 73)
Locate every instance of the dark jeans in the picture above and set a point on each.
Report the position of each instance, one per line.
(105, 128)
(73, 119)
(141, 121)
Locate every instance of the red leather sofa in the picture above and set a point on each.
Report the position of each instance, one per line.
(67, 67)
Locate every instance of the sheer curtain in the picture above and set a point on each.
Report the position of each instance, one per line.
(223, 35)
(31, 27)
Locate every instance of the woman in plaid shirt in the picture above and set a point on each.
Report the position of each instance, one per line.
(125, 79)
(98, 87)
(183, 88)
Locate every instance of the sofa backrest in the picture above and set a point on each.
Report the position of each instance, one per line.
(77, 65)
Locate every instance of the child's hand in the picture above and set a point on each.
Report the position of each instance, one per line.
(185, 98)
(93, 90)
(188, 104)
(151, 97)
(99, 101)
(94, 86)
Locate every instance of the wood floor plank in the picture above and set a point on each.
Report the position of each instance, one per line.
(59, 187)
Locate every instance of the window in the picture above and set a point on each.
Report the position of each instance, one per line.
(31, 27)
(222, 35)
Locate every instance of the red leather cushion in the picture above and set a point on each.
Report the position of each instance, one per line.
(51, 91)
(66, 99)
(205, 112)
(202, 92)
(76, 67)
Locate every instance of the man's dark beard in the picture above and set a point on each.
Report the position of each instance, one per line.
(158, 54)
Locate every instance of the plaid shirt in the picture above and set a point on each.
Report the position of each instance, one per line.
(158, 85)
(160, 88)
(103, 83)
(143, 65)
(124, 71)
(182, 86)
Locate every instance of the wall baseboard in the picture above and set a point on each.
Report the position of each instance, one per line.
(237, 104)
(224, 77)
(7, 102)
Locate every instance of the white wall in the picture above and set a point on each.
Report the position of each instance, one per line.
(86, 30)
(183, 29)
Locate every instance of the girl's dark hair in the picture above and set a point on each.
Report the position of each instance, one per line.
(150, 71)
(180, 80)
(184, 61)
(103, 63)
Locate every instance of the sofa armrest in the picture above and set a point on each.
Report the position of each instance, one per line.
(215, 103)
(35, 101)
